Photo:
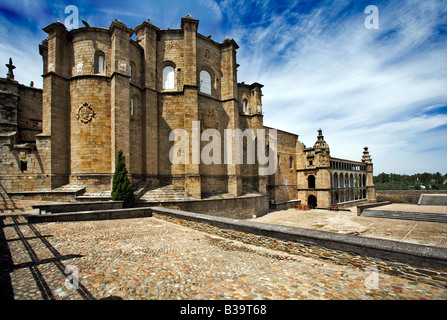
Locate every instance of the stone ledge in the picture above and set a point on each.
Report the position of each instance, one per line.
(92, 215)
(77, 206)
(362, 207)
(419, 255)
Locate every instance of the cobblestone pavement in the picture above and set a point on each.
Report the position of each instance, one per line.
(153, 258)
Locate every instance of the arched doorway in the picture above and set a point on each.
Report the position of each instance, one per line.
(312, 201)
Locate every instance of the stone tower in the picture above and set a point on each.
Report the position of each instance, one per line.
(105, 92)
(314, 178)
(370, 187)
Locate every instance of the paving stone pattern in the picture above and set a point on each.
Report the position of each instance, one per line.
(151, 258)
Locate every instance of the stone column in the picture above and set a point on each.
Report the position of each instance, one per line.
(147, 33)
(191, 107)
(120, 90)
(54, 142)
(229, 96)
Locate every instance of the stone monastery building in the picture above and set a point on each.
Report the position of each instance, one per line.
(104, 92)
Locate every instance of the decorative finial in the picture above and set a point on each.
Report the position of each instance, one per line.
(11, 67)
(321, 144)
(366, 156)
(31, 84)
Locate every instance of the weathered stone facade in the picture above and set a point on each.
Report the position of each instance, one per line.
(324, 180)
(20, 121)
(104, 92)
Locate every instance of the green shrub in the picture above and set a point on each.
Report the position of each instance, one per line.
(122, 189)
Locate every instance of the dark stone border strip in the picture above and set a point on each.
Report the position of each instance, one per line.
(76, 207)
(362, 207)
(418, 255)
(406, 215)
(91, 215)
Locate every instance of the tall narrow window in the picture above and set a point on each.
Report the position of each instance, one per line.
(23, 165)
(311, 182)
(291, 162)
(244, 105)
(99, 62)
(132, 107)
(205, 82)
(168, 78)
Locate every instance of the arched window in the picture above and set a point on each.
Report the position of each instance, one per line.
(205, 82)
(244, 105)
(168, 78)
(99, 62)
(311, 182)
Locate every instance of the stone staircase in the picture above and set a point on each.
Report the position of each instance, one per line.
(433, 200)
(401, 215)
(169, 193)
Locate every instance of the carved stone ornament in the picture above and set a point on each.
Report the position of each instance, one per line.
(85, 113)
(169, 45)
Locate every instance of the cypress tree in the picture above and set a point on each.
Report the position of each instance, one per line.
(122, 189)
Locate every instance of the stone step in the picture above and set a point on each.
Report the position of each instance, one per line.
(165, 194)
(415, 216)
(433, 199)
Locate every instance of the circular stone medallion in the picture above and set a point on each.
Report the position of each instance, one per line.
(85, 113)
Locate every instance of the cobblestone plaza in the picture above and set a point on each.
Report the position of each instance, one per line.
(153, 258)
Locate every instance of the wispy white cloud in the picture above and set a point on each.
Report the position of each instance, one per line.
(360, 86)
(22, 47)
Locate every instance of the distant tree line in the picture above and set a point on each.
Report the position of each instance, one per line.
(419, 181)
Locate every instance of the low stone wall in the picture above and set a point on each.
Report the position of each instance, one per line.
(284, 205)
(79, 206)
(404, 196)
(353, 203)
(238, 208)
(362, 207)
(56, 196)
(91, 215)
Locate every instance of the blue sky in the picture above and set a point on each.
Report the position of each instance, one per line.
(320, 67)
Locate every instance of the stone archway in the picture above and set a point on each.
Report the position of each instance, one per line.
(312, 201)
